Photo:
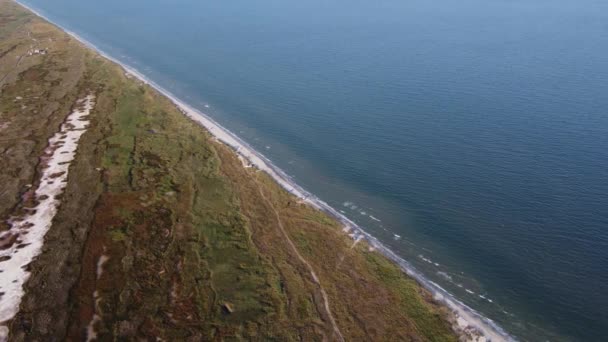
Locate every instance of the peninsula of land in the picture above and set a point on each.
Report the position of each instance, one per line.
(123, 218)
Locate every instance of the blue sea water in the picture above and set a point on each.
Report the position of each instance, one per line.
(470, 136)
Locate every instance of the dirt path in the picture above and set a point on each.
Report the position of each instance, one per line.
(293, 247)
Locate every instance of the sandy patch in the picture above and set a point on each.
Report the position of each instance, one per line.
(91, 333)
(28, 231)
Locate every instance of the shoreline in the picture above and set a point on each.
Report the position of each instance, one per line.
(464, 317)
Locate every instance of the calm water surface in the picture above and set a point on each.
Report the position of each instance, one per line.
(471, 136)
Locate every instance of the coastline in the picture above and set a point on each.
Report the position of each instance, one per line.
(464, 316)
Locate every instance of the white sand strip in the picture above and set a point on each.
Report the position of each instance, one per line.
(91, 333)
(28, 231)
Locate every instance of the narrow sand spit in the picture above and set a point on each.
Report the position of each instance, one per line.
(24, 240)
(475, 321)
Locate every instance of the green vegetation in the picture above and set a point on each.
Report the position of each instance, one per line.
(198, 247)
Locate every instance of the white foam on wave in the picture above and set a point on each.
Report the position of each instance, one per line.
(486, 298)
(445, 276)
(474, 320)
(350, 205)
(427, 260)
(374, 218)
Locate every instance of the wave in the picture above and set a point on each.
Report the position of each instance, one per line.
(466, 317)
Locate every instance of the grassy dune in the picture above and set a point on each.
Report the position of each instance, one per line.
(196, 247)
